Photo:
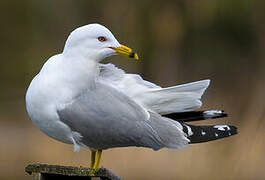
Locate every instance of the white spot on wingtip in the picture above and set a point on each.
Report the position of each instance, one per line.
(229, 133)
(203, 133)
(212, 113)
(189, 130)
(216, 135)
(222, 127)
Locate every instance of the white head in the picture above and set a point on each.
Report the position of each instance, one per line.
(95, 42)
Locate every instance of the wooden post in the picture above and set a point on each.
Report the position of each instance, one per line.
(52, 172)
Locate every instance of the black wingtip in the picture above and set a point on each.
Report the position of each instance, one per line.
(233, 130)
(210, 133)
(196, 115)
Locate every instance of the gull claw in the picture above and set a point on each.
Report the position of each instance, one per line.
(92, 172)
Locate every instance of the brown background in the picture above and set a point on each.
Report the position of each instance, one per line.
(178, 42)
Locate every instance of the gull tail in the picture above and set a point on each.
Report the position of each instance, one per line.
(199, 134)
(196, 115)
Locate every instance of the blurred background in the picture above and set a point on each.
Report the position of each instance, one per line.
(178, 42)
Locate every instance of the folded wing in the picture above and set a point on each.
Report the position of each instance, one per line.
(105, 118)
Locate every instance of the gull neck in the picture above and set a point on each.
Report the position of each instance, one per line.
(80, 71)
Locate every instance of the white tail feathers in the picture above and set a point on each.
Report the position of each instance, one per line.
(179, 98)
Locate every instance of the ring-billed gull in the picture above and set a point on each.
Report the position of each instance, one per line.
(77, 100)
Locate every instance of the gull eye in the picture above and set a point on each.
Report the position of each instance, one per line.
(102, 39)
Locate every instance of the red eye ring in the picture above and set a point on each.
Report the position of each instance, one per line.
(102, 39)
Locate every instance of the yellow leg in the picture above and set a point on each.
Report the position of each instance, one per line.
(92, 158)
(95, 159)
(98, 156)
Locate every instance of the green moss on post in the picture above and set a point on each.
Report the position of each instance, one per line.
(52, 172)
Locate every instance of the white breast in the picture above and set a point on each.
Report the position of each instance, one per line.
(48, 90)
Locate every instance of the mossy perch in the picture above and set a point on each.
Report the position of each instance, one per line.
(52, 172)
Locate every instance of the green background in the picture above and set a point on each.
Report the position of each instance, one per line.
(178, 42)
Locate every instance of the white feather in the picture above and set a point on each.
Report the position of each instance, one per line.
(179, 98)
(175, 99)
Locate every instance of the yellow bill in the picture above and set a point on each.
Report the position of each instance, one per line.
(125, 51)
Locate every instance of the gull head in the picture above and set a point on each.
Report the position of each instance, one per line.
(95, 42)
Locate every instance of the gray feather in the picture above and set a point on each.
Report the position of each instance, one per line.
(107, 118)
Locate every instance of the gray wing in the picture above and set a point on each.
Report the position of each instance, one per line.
(107, 118)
